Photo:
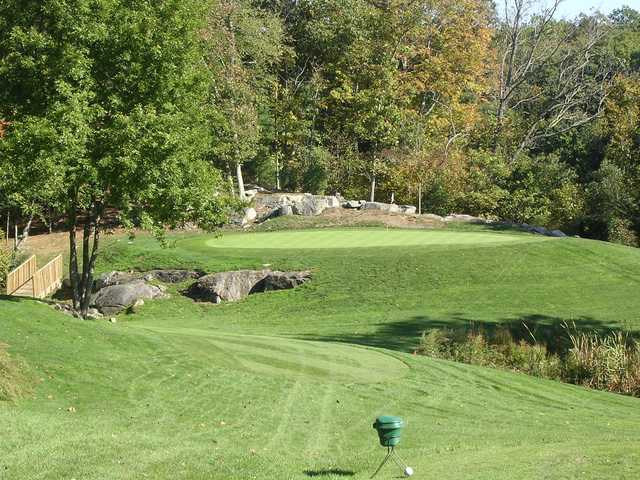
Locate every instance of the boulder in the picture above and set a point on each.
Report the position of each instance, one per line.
(383, 207)
(539, 230)
(281, 281)
(250, 194)
(115, 298)
(284, 211)
(557, 234)
(332, 201)
(354, 204)
(225, 286)
(173, 276)
(114, 278)
(408, 209)
(274, 200)
(234, 286)
(456, 217)
(250, 214)
(311, 205)
(433, 216)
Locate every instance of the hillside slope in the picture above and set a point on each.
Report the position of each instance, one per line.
(195, 391)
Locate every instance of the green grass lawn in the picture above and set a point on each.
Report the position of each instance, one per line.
(287, 384)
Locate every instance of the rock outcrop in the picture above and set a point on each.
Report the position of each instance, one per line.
(173, 276)
(116, 298)
(234, 286)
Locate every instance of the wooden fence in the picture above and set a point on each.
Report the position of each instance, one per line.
(21, 275)
(38, 283)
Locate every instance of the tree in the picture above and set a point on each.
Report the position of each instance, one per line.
(106, 96)
(550, 76)
(243, 45)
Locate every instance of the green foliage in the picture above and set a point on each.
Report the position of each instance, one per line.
(543, 191)
(484, 184)
(605, 363)
(610, 362)
(621, 231)
(6, 258)
(316, 174)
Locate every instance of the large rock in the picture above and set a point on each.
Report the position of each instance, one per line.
(114, 278)
(464, 219)
(332, 201)
(284, 211)
(244, 218)
(281, 281)
(274, 200)
(432, 216)
(311, 205)
(353, 204)
(539, 230)
(250, 214)
(250, 194)
(116, 298)
(408, 209)
(382, 207)
(557, 234)
(226, 286)
(233, 286)
(173, 276)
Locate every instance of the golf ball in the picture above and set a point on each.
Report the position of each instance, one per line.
(408, 471)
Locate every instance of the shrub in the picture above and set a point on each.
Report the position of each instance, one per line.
(621, 231)
(605, 363)
(610, 362)
(5, 262)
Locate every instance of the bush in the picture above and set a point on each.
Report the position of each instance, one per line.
(621, 231)
(605, 363)
(5, 262)
(316, 177)
(543, 191)
(609, 363)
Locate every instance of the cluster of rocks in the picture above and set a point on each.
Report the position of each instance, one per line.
(541, 230)
(115, 292)
(305, 204)
(233, 286)
(270, 205)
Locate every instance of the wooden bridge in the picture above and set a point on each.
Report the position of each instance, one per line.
(29, 281)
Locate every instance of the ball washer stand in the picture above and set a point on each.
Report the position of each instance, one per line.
(389, 429)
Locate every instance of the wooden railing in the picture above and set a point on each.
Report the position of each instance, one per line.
(21, 275)
(28, 281)
(48, 279)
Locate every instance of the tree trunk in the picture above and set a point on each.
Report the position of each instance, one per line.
(73, 257)
(278, 173)
(373, 189)
(25, 233)
(91, 242)
(8, 226)
(240, 181)
(420, 199)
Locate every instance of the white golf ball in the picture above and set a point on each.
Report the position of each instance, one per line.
(408, 471)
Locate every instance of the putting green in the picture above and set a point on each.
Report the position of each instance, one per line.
(311, 239)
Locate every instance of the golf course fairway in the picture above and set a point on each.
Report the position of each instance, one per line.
(287, 384)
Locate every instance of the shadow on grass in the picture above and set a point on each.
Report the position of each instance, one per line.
(542, 329)
(329, 471)
(8, 298)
